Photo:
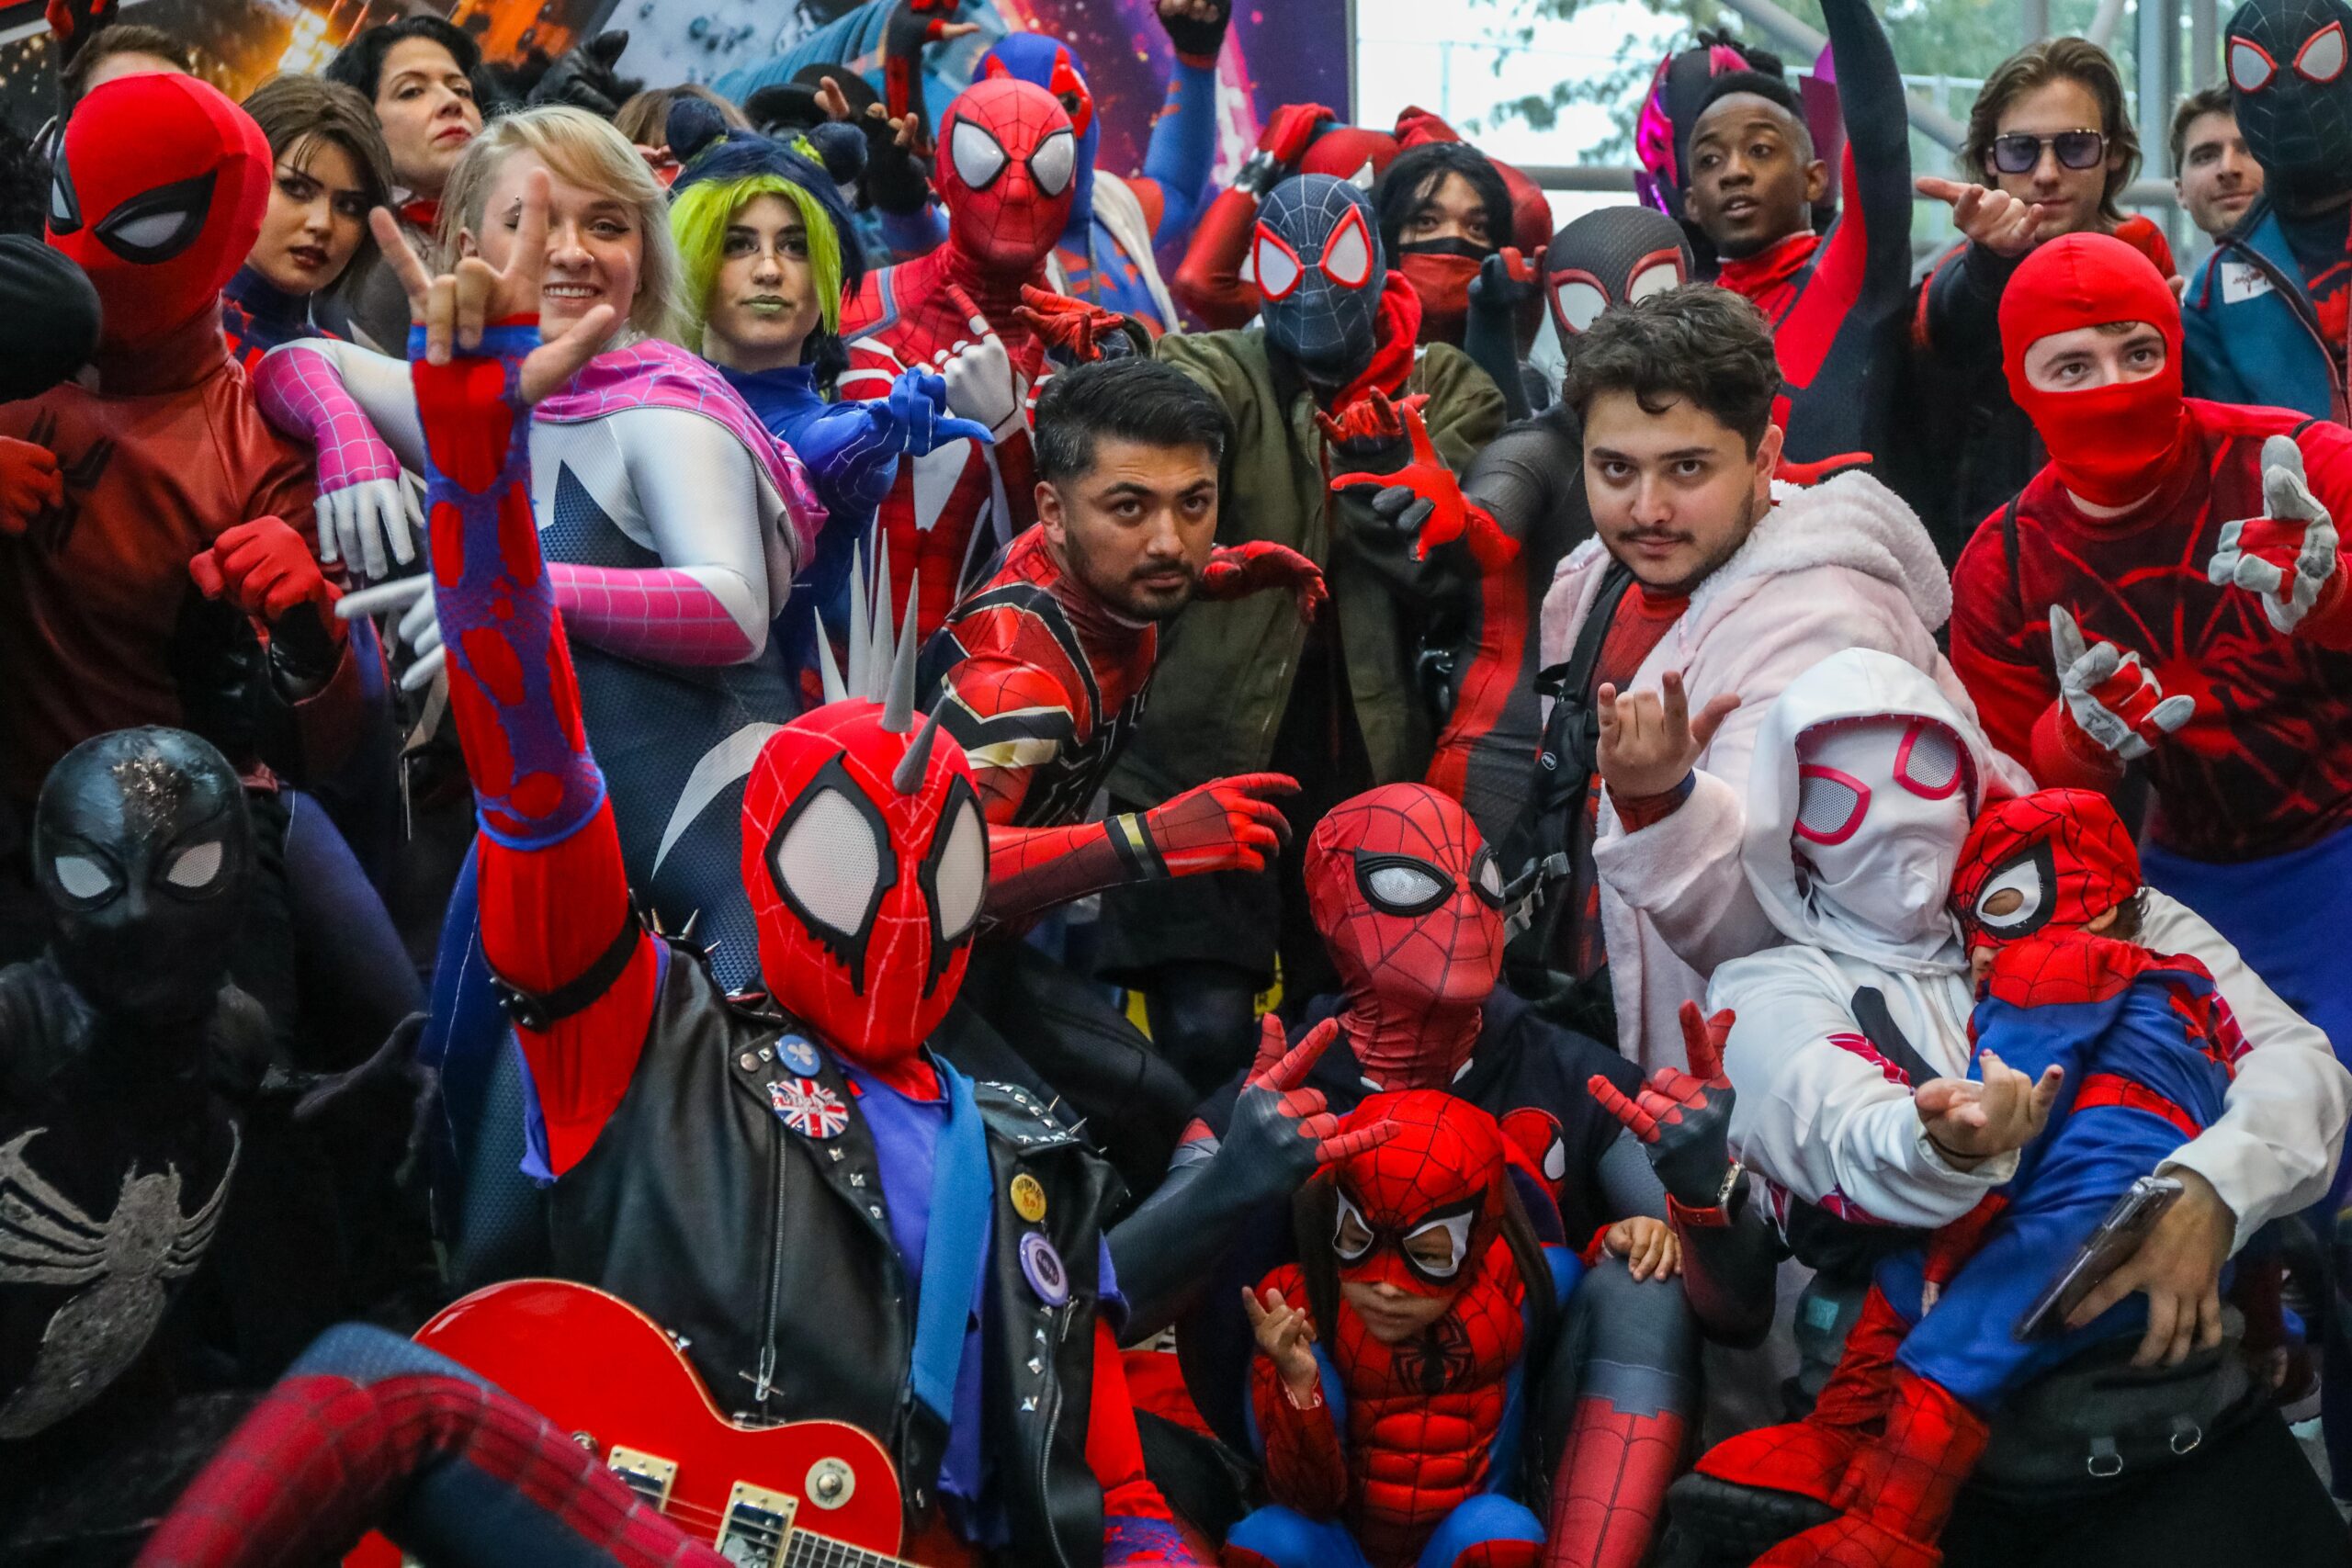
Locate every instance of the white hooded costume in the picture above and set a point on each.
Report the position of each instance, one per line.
(1824, 1115)
(1841, 564)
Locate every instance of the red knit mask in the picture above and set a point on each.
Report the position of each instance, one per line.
(2063, 852)
(158, 194)
(2110, 445)
(1417, 1210)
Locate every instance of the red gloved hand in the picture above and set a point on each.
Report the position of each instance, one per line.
(1370, 423)
(72, 22)
(265, 569)
(1282, 1129)
(1425, 497)
(29, 484)
(1236, 571)
(1291, 130)
(1223, 825)
(1683, 1118)
(1079, 330)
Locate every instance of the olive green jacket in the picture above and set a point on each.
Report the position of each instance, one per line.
(1225, 671)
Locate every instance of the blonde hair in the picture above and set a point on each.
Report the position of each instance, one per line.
(589, 153)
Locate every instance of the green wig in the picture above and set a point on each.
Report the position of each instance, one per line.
(699, 215)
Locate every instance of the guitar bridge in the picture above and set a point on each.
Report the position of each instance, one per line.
(756, 1525)
(648, 1476)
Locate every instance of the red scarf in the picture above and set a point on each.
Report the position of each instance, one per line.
(1392, 352)
(423, 212)
(1765, 279)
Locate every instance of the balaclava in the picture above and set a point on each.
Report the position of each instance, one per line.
(1007, 173)
(141, 845)
(2062, 856)
(158, 195)
(2110, 445)
(2293, 100)
(1050, 63)
(1611, 257)
(1409, 902)
(1418, 1210)
(1883, 807)
(1316, 257)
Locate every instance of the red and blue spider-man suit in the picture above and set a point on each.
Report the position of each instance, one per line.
(1408, 1454)
(2147, 1046)
(676, 1123)
(1007, 172)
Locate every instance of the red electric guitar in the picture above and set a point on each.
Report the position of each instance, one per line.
(796, 1495)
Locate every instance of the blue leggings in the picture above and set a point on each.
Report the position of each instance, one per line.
(1285, 1539)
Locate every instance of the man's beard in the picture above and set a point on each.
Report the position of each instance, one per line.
(1121, 594)
(1749, 512)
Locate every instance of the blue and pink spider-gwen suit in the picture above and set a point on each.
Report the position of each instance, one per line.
(675, 1122)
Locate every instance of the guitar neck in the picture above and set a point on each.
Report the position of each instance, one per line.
(805, 1549)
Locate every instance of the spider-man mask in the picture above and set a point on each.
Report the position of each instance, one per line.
(865, 859)
(1611, 257)
(2059, 857)
(1409, 902)
(158, 194)
(1316, 258)
(2292, 96)
(1049, 63)
(141, 845)
(1417, 1210)
(1007, 173)
(1883, 804)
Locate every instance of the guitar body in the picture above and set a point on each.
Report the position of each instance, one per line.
(606, 1373)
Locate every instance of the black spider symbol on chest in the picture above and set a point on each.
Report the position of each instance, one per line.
(52, 527)
(1439, 1359)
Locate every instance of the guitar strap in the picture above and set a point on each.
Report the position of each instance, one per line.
(955, 1250)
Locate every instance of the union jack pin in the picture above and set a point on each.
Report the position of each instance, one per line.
(809, 1108)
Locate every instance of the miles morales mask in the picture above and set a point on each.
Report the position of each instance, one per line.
(1316, 259)
(2293, 98)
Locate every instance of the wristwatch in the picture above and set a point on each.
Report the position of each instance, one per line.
(1717, 1215)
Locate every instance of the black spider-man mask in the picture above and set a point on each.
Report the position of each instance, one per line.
(1611, 257)
(143, 847)
(2292, 96)
(1316, 258)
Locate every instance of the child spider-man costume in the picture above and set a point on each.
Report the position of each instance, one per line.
(1007, 173)
(1410, 901)
(1407, 1452)
(2148, 1045)
(818, 1121)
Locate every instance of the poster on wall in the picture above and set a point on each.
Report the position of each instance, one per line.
(1278, 51)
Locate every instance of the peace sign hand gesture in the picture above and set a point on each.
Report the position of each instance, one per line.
(456, 307)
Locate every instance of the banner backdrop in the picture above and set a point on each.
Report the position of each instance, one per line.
(1278, 51)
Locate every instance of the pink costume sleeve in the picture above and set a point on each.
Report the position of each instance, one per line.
(659, 613)
(301, 393)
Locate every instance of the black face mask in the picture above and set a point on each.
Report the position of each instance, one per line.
(143, 847)
(2292, 91)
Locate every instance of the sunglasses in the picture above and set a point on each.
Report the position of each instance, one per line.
(2020, 150)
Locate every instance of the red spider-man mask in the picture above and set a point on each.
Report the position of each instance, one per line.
(1007, 172)
(2061, 857)
(1409, 902)
(1416, 1211)
(865, 859)
(158, 194)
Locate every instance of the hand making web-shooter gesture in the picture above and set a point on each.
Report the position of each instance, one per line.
(1425, 500)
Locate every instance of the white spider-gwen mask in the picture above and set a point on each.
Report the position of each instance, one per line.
(1882, 808)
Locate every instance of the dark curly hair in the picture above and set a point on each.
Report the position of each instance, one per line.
(1698, 343)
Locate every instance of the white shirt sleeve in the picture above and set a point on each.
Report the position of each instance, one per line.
(1821, 1119)
(2275, 1148)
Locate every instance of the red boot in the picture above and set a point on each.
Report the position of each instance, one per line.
(1899, 1491)
(1810, 1457)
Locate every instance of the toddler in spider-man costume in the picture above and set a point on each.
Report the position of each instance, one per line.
(2047, 897)
(1391, 1434)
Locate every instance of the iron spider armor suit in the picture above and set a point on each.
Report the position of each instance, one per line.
(1006, 172)
(2148, 1047)
(1408, 1452)
(1042, 683)
(810, 1121)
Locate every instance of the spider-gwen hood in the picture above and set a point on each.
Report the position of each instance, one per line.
(1865, 780)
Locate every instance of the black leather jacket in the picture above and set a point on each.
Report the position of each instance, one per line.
(770, 1253)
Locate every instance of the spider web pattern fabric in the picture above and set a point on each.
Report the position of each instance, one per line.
(1421, 1416)
(2263, 765)
(300, 390)
(2296, 115)
(1414, 983)
(2066, 853)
